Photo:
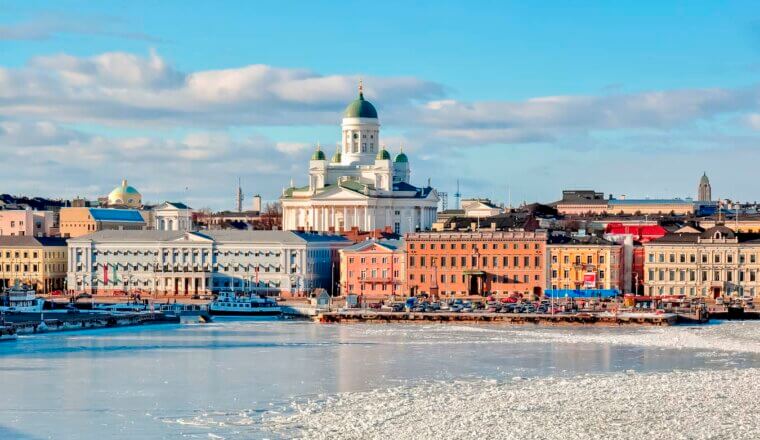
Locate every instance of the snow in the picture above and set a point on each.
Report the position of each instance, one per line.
(674, 405)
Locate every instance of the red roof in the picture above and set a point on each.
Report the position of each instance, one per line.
(641, 233)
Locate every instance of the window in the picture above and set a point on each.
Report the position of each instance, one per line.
(601, 259)
(601, 274)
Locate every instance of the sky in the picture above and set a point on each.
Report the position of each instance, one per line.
(515, 100)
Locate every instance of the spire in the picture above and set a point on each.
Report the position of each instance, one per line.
(124, 183)
(361, 89)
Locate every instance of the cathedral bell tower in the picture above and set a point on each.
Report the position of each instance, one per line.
(361, 132)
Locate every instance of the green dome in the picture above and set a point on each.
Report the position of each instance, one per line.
(401, 158)
(318, 155)
(336, 157)
(359, 108)
(383, 155)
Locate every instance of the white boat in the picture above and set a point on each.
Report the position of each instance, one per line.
(8, 333)
(243, 304)
(21, 298)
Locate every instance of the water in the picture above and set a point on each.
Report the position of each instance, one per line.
(280, 379)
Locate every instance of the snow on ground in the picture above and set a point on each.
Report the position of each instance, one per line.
(674, 405)
(726, 337)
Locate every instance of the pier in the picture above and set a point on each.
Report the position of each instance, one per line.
(582, 318)
(31, 323)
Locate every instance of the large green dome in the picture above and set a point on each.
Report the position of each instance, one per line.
(383, 155)
(359, 108)
(401, 158)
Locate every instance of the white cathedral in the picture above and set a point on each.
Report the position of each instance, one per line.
(360, 186)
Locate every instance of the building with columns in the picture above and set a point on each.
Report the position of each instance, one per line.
(186, 264)
(361, 186)
(172, 216)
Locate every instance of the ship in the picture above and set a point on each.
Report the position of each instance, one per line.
(230, 303)
(21, 298)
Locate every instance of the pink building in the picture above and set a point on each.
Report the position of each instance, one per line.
(374, 269)
(25, 222)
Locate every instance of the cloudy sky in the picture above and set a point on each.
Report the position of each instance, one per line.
(182, 98)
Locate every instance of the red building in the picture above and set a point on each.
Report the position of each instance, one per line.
(476, 263)
(639, 234)
(374, 269)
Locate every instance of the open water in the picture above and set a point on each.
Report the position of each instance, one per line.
(254, 379)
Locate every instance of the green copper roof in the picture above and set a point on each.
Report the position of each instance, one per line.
(336, 157)
(383, 155)
(401, 158)
(318, 155)
(359, 108)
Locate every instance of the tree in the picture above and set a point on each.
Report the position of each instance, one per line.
(271, 217)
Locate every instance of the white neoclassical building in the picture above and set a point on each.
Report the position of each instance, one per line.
(173, 216)
(361, 186)
(177, 263)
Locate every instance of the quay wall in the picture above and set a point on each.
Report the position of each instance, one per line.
(502, 318)
(90, 322)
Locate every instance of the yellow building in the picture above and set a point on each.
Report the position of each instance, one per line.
(714, 263)
(38, 261)
(582, 263)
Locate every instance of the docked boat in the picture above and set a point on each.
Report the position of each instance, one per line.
(7, 333)
(21, 298)
(243, 304)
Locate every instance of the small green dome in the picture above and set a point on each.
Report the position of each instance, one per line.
(318, 155)
(383, 155)
(336, 157)
(401, 158)
(359, 108)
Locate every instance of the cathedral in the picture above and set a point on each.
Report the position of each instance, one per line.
(361, 186)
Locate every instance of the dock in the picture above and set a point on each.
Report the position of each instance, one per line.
(30, 323)
(581, 318)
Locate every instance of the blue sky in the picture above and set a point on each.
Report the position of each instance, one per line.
(633, 98)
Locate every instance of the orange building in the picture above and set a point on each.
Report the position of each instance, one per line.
(373, 269)
(476, 263)
(76, 222)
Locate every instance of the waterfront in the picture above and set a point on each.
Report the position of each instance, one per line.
(278, 379)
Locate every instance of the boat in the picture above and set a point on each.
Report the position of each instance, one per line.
(228, 303)
(21, 298)
(7, 333)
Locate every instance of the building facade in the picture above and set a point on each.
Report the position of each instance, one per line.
(476, 263)
(583, 263)
(172, 216)
(76, 222)
(708, 264)
(361, 186)
(175, 263)
(587, 202)
(37, 261)
(28, 222)
(373, 269)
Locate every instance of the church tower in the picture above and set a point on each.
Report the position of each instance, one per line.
(704, 192)
(361, 132)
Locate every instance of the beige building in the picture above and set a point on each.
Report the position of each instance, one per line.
(709, 264)
(76, 222)
(583, 263)
(28, 222)
(745, 225)
(38, 261)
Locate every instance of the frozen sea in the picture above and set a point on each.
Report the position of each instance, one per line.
(257, 379)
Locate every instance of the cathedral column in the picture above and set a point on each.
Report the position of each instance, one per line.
(345, 217)
(356, 216)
